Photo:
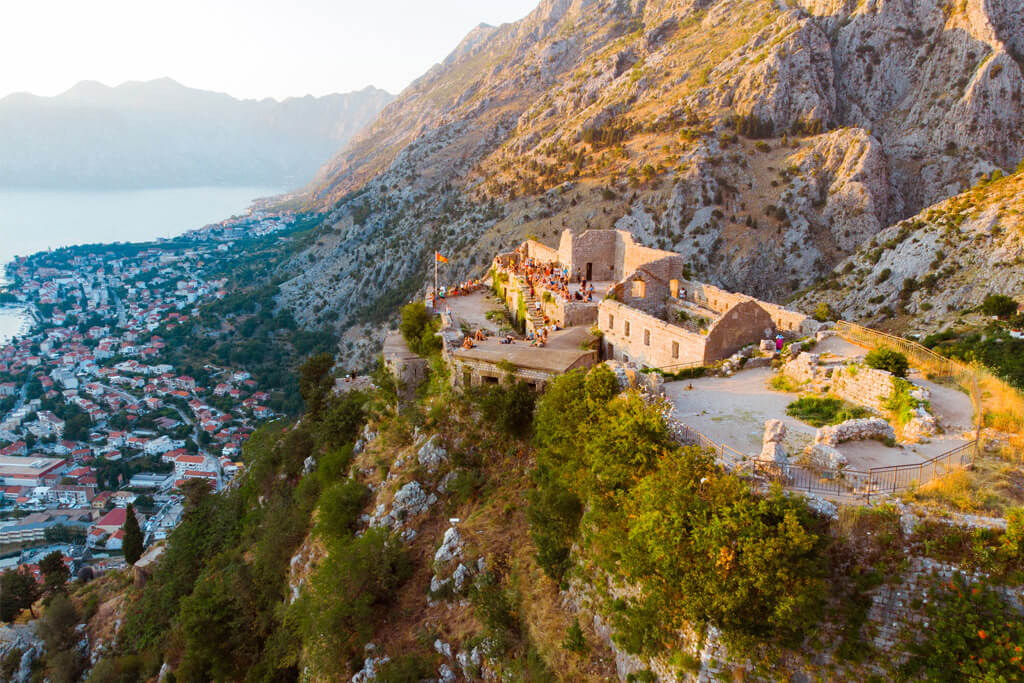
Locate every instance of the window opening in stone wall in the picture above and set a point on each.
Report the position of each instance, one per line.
(675, 349)
(647, 337)
(626, 329)
(639, 289)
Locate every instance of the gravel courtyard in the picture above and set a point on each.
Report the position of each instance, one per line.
(733, 410)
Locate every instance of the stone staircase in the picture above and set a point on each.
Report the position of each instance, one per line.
(534, 319)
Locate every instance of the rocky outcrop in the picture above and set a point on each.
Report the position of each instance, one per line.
(937, 264)
(411, 500)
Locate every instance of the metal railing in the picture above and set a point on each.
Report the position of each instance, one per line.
(690, 436)
(873, 482)
(918, 355)
(927, 360)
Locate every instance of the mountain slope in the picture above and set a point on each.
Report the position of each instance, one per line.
(160, 133)
(764, 142)
(930, 270)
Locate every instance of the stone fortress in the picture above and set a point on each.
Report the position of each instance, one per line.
(647, 312)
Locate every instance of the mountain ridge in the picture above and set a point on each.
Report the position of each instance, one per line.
(763, 142)
(161, 133)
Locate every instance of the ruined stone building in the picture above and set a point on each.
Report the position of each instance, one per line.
(647, 312)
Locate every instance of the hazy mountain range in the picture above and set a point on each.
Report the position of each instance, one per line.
(160, 134)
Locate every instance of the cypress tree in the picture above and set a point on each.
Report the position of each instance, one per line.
(132, 542)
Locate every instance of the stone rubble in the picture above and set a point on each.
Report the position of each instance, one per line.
(855, 430)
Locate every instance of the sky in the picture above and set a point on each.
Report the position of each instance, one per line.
(246, 48)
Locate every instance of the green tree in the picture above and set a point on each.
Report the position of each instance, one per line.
(18, 591)
(418, 328)
(55, 573)
(998, 305)
(132, 542)
(56, 627)
(315, 382)
(706, 549)
(887, 359)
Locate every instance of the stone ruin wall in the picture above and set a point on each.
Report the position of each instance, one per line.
(862, 385)
(540, 252)
(721, 300)
(593, 246)
(656, 292)
(662, 334)
(745, 323)
(570, 313)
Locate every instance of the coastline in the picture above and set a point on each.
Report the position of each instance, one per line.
(16, 320)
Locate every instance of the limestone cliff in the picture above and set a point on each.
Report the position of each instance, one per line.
(765, 142)
(928, 271)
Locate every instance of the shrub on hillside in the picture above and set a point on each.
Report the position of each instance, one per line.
(510, 407)
(346, 596)
(999, 305)
(418, 328)
(339, 508)
(889, 360)
(973, 634)
(823, 312)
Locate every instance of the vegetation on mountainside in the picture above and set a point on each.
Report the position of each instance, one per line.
(215, 606)
(969, 636)
(419, 329)
(820, 411)
(991, 346)
(246, 329)
(697, 542)
(657, 537)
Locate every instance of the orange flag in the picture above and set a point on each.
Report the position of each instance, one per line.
(439, 258)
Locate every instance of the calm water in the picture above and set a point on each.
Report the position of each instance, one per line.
(35, 220)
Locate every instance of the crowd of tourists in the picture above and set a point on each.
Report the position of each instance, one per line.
(554, 278)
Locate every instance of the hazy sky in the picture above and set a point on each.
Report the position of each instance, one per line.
(247, 48)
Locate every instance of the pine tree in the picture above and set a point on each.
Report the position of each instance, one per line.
(18, 590)
(132, 542)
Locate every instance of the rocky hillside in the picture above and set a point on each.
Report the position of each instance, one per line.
(763, 141)
(933, 269)
(161, 133)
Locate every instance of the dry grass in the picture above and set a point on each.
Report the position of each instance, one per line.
(1003, 405)
(990, 487)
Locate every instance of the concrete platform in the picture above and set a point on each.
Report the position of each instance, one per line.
(563, 352)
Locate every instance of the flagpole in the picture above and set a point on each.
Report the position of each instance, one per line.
(435, 281)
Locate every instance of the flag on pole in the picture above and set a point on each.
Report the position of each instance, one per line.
(438, 258)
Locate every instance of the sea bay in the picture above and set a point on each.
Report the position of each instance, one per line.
(33, 220)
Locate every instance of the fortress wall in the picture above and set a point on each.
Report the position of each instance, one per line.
(655, 293)
(743, 324)
(655, 348)
(540, 252)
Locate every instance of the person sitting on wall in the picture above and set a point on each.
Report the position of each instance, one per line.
(467, 343)
(509, 339)
(480, 336)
